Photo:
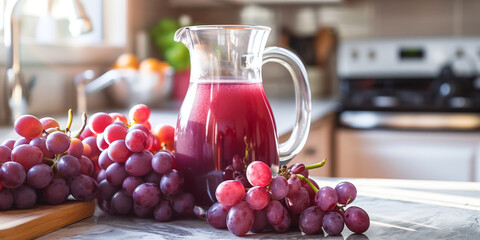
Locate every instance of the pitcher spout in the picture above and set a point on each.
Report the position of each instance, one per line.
(181, 35)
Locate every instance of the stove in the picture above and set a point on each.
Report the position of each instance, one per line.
(421, 78)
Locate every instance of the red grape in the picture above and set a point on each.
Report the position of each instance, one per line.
(99, 121)
(147, 195)
(136, 140)
(28, 126)
(257, 198)
(162, 212)
(57, 142)
(5, 153)
(310, 221)
(139, 113)
(326, 198)
(279, 187)
(162, 162)
(76, 148)
(230, 192)
(333, 223)
(12, 175)
(27, 155)
(346, 192)
(259, 174)
(119, 117)
(217, 215)
(357, 220)
(118, 151)
(114, 132)
(240, 219)
(48, 122)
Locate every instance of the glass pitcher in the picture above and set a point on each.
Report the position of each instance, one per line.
(226, 114)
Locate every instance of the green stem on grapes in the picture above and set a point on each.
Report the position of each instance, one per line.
(315, 189)
(316, 165)
(70, 120)
(84, 124)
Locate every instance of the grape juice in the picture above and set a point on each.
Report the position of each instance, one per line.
(218, 121)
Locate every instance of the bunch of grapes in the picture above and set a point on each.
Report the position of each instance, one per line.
(137, 172)
(46, 165)
(288, 200)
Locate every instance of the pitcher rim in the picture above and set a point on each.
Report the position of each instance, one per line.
(229, 26)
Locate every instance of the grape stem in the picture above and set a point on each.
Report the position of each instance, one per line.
(84, 124)
(316, 165)
(70, 120)
(315, 189)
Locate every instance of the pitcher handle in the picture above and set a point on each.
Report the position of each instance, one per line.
(287, 150)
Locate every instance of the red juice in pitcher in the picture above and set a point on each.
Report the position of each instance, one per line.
(218, 121)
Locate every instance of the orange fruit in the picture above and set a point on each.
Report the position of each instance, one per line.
(126, 60)
(153, 65)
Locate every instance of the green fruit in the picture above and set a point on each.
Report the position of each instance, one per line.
(178, 56)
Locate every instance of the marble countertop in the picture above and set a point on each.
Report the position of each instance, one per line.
(398, 209)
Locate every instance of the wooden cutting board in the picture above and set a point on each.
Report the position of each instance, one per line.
(42, 219)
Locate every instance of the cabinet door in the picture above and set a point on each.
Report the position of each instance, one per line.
(412, 155)
(317, 147)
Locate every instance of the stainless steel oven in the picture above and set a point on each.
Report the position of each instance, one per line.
(409, 108)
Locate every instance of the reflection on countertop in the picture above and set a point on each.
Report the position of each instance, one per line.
(398, 209)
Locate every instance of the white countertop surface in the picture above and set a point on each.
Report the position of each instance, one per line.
(398, 209)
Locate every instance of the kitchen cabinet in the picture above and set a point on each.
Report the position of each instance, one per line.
(319, 146)
(408, 154)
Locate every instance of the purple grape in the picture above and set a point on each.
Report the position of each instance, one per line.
(136, 140)
(104, 160)
(326, 198)
(346, 192)
(298, 202)
(68, 166)
(172, 183)
(86, 166)
(147, 195)
(5, 153)
(56, 192)
(41, 144)
(83, 188)
(162, 162)
(27, 155)
(121, 203)
(243, 180)
(183, 204)
(228, 173)
(24, 197)
(106, 190)
(129, 185)
(257, 198)
(217, 215)
(101, 143)
(9, 143)
(39, 176)
(57, 142)
(333, 223)
(284, 225)
(294, 184)
(153, 177)
(118, 151)
(357, 220)
(275, 212)
(142, 212)
(260, 221)
(116, 173)
(21, 141)
(162, 212)
(12, 175)
(279, 187)
(298, 168)
(237, 163)
(6, 199)
(101, 175)
(310, 221)
(139, 164)
(240, 219)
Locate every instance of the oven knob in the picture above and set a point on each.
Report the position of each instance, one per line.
(372, 55)
(354, 54)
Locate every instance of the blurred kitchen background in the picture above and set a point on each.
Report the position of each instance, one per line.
(403, 76)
